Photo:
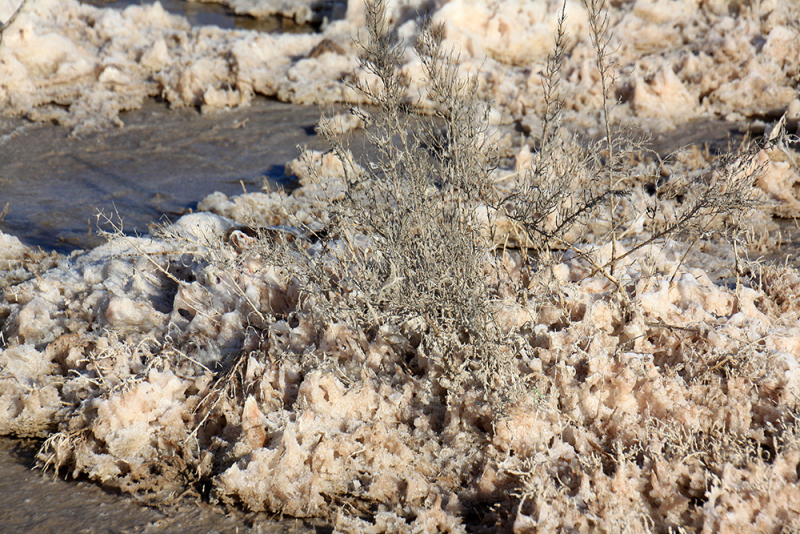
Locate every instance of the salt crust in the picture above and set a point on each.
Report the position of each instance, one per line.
(11, 249)
(7, 9)
(676, 60)
(111, 349)
(157, 361)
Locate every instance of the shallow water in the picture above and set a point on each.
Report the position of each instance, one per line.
(201, 14)
(159, 165)
(83, 507)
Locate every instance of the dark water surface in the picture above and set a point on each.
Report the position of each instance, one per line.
(36, 502)
(201, 14)
(162, 162)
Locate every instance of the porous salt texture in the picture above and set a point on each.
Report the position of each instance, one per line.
(189, 358)
(196, 358)
(674, 60)
(307, 206)
(18, 263)
(11, 249)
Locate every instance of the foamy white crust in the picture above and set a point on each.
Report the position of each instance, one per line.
(675, 60)
(107, 354)
(106, 351)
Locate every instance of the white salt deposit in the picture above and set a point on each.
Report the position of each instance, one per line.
(11, 249)
(82, 65)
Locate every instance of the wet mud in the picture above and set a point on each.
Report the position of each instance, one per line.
(84, 507)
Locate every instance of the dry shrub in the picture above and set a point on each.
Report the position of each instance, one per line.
(405, 251)
(569, 182)
(417, 252)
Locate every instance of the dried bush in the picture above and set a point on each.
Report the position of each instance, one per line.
(405, 250)
(570, 182)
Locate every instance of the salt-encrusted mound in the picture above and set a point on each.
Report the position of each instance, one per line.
(190, 358)
(661, 394)
(676, 60)
(82, 65)
(11, 249)
(18, 263)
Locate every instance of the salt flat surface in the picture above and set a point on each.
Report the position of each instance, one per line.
(7, 10)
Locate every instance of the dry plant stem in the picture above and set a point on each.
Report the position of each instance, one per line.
(543, 202)
(732, 194)
(554, 102)
(601, 37)
(415, 205)
(218, 392)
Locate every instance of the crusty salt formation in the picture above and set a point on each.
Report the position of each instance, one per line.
(187, 359)
(675, 60)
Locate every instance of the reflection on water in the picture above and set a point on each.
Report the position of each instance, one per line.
(201, 14)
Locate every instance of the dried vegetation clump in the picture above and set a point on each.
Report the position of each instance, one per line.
(423, 341)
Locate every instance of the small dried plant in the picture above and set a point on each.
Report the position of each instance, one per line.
(570, 182)
(406, 250)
